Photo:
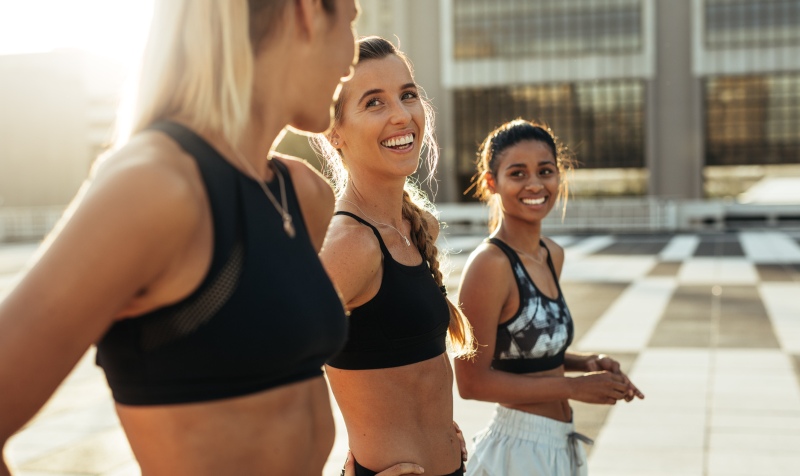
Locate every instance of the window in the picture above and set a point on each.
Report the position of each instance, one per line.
(751, 23)
(753, 120)
(602, 122)
(545, 28)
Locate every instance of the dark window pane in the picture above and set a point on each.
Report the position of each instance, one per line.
(753, 120)
(751, 23)
(542, 28)
(601, 121)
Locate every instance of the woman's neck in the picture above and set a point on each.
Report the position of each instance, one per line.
(521, 235)
(379, 200)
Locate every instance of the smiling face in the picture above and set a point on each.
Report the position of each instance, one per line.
(382, 119)
(526, 181)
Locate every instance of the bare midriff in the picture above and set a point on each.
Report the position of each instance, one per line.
(400, 414)
(286, 430)
(556, 410)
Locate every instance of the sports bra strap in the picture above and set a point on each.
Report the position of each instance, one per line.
(509, 251)
(377, 233)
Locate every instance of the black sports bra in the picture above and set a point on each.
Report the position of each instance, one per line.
(406, 322)
(265, 315)
(537, 336)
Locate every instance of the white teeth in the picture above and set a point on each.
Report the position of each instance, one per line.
(533, 201)
(398, 141)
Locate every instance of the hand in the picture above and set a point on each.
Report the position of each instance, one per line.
(600, 362)
(396, 470)
(599, 387)
(462, 442)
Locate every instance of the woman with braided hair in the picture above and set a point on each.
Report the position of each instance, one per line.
(393, 380)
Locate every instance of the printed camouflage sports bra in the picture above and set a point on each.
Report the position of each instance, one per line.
(537, 336)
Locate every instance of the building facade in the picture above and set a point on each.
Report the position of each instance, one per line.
(675, 99)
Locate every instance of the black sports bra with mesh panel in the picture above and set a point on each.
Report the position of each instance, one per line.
(404, 323)
(537, 336)
(265, 315)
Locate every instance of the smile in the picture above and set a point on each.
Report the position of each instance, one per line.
(401, 142)
(534, 201)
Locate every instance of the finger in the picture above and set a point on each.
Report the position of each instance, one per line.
(461, 440)
(592, 365)
(349, 466)
(402, 468)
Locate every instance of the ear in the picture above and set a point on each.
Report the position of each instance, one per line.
(490, 182)
(335, 139)
(308, 14)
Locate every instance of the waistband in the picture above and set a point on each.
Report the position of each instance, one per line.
(539, 429)
(362, 471)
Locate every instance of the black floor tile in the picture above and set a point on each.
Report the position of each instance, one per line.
(666, 268)
(778, 272)
(588, 301)
(717, 246)
(743, 321)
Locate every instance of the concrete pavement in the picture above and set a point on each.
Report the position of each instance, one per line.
(707, 325)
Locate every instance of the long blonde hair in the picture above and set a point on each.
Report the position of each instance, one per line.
(415, 204)
(198, 64)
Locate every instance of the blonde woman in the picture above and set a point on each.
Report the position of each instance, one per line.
(511, 295)
(393, 380)
(189, 255)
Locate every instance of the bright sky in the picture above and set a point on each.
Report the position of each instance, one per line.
(111, 28)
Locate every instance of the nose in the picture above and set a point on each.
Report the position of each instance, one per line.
(534, 186)
(400, 113)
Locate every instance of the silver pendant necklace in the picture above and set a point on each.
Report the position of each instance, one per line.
(536, 260)
(408, 243)
(281, 208)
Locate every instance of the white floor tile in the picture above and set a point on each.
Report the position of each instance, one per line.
(769, 247)
(628, 323)
(752, 463)
(782, 302)
(718, 271)
(604, 269)
(680, 247)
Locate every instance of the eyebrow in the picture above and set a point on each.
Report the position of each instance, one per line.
(521, 165)
(370, 92)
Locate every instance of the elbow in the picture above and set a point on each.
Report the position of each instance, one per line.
(467, 389)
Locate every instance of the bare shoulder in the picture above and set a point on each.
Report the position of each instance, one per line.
(152, 170)
(314, 194)
(352, 241)
(556, 253)
(353, 259)
(487, 261)
(305, 177)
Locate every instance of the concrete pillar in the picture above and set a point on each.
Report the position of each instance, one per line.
(675, 126)
(420, 40)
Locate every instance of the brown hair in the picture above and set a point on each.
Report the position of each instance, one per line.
(415, 203)
(501, 139)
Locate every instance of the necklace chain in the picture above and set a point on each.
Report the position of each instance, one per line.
(408, 243)
(281, 208)
(535, 259)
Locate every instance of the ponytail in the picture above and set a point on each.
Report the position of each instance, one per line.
(460, 336)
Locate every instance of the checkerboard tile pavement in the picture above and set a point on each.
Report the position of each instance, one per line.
(707, 325)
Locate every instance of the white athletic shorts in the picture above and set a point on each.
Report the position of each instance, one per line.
(520, 444)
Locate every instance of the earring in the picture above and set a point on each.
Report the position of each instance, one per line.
(335, 142)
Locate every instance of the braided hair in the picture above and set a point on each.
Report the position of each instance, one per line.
(415, 204)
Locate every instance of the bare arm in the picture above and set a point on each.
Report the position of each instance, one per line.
(486, 287)
(352, 257)
(125, 232)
